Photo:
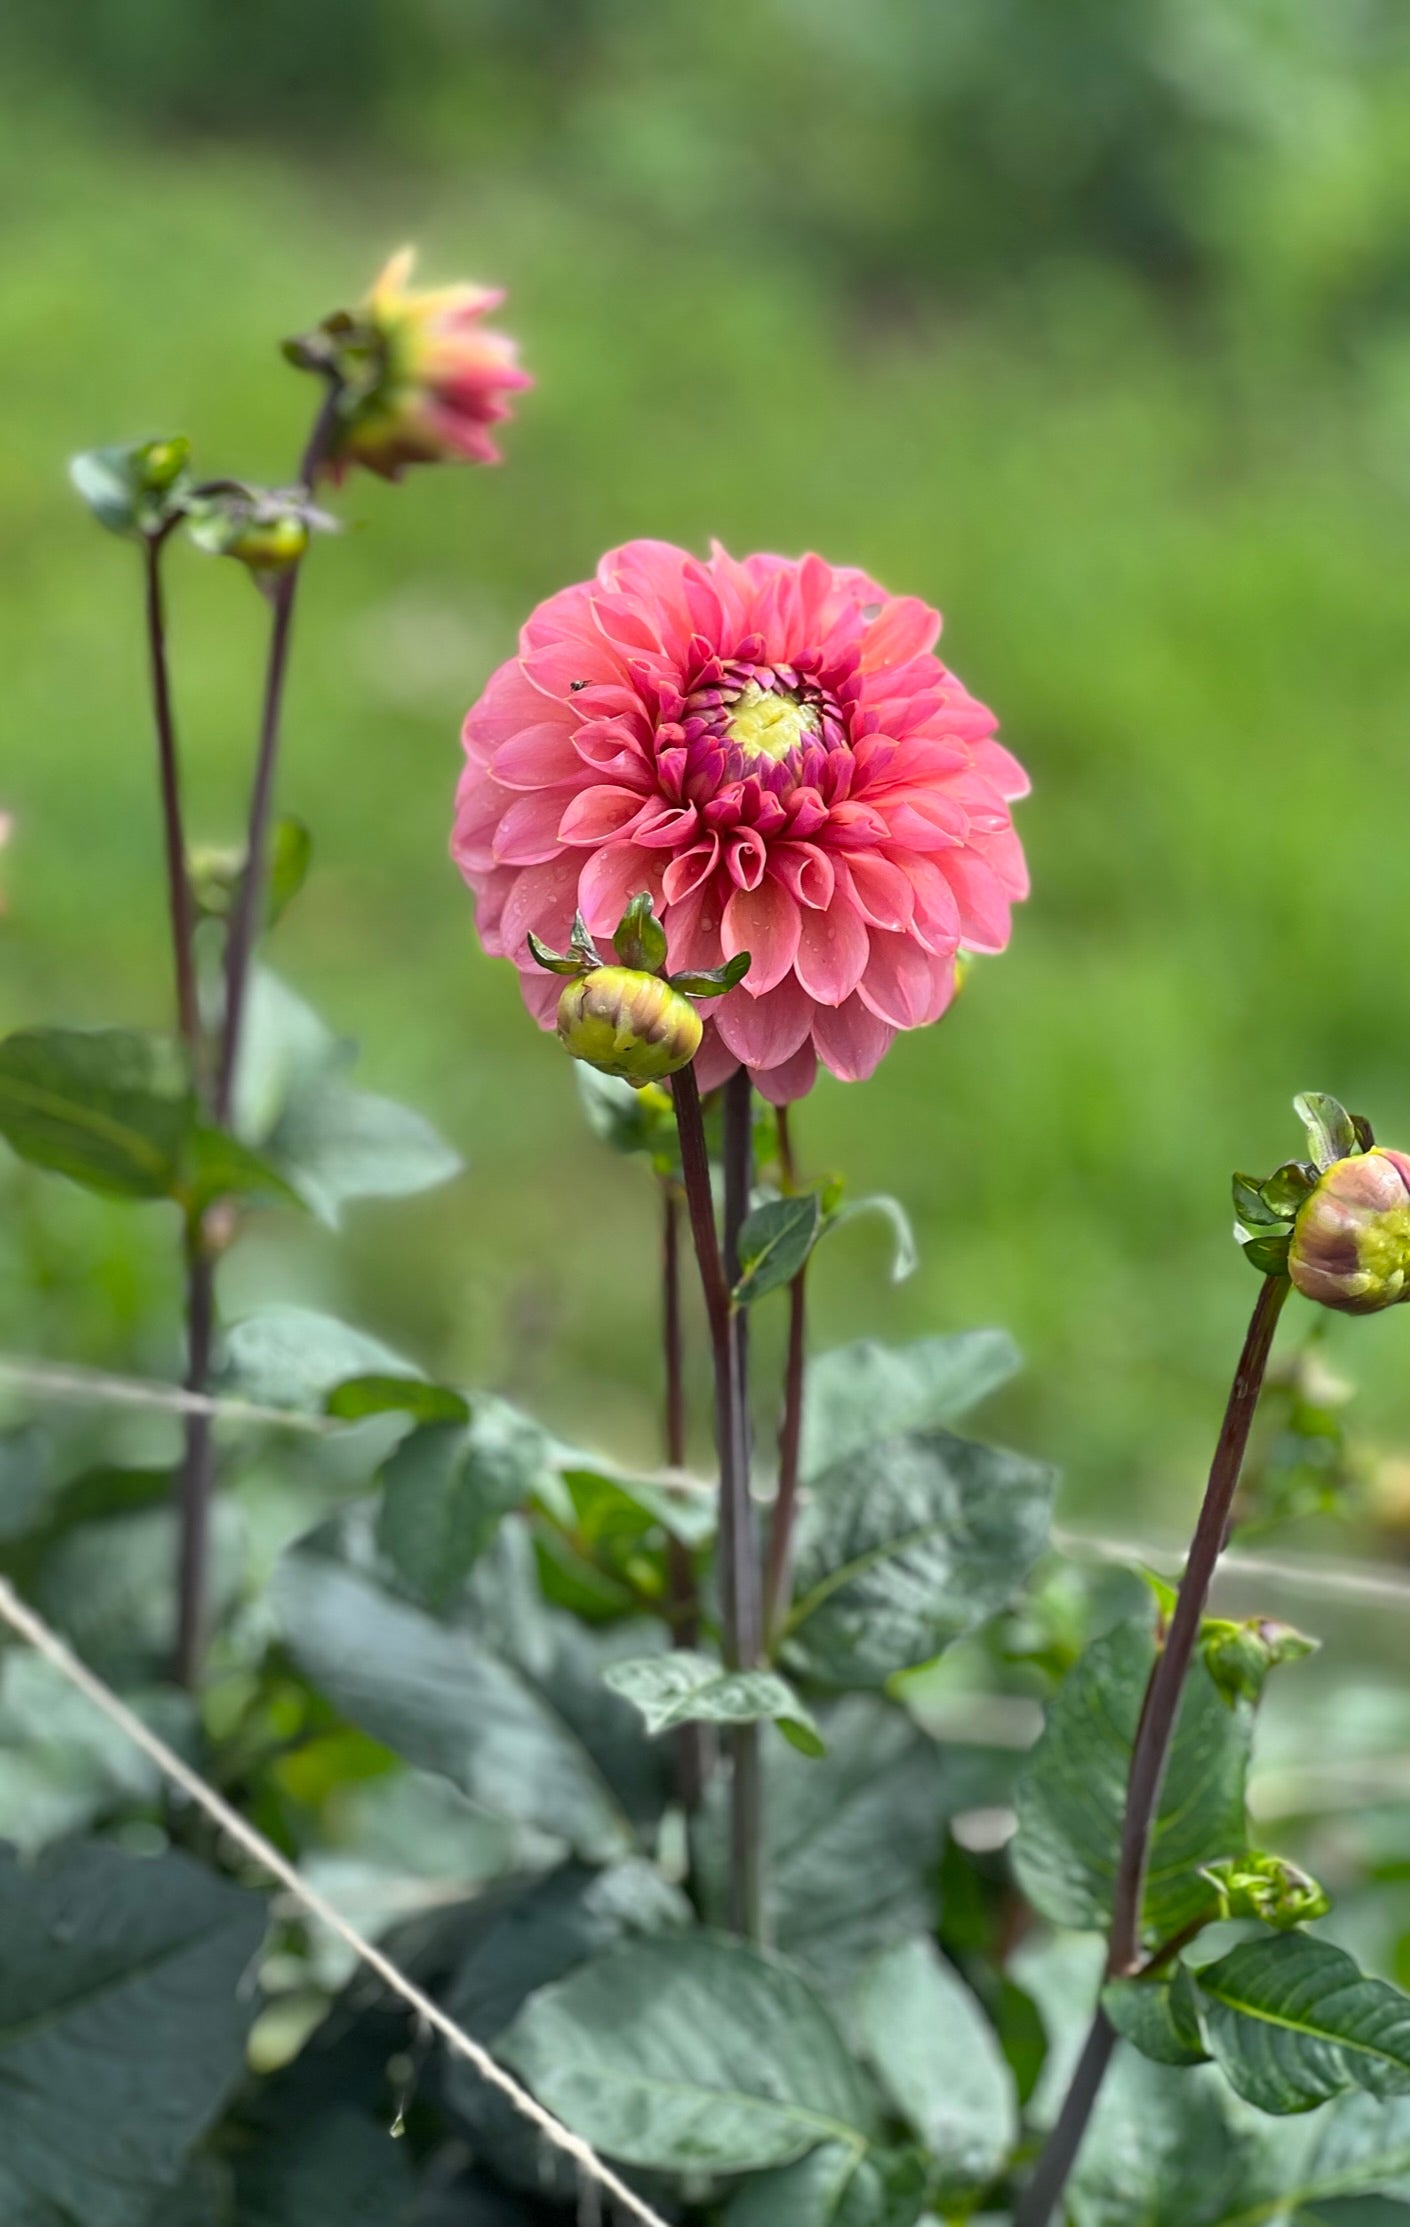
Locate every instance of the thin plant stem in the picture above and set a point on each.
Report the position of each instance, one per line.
(1150, 1752)
(198, 1463)
(778, 1571)
(680, 1568)
(740, 1638)
(194, 1505)
(747, 1820)
(178, 881)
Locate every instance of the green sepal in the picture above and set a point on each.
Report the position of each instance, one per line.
(640, 940)
(713, 982)
(553, 961)
(1270, 1888)
(1288, 1188)
(582, 948)
(1332, 1133)
(1268, 1252)
(1240, 1656)
(137, 488)
(1251, 1207)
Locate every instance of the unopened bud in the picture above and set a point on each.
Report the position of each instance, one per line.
(1350, 1245)
(631, 1025)
(1240, 1656)
(1269, 1888)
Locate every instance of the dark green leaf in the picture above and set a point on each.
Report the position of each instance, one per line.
(1332, 1132)
(525, 1939)
(357, 1397)
(859, 1393)
(1361, 2144)
(905, 1547)
(219, 1166)
(514, 1737)
(25, 1489)
(693, 2054)
(339, 2167)
(683, 1687)
(904, 1257)
(60, 1767)
(1171, 2147)
(1293, 2020)
(853, 1843)
(291, 1357)
(336, 1144)
(1268, 1254)
(712, 982)
(836, 2185)
(1160, 2017)
(446, 1490)
(1072, 1796)
(1250, 1206)
(107, 1585)
(110, 1108)
(774, 1243)
(123, 2013)
(939, 2064)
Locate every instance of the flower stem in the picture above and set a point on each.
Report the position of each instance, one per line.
(1151, 1750)
(747, 1835)
(739, 1599)
(680, 1569)
(198, 1467)
(178, 881)
(778, 1574)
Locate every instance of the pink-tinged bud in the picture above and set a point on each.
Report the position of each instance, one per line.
(421, 377)
(631, 1025)
(1350, 1246)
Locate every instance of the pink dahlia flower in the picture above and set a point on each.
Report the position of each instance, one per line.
(422, 378)
(772, 750)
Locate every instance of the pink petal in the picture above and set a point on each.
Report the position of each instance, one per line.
(693, 929)
(598, 814)
(527, 834)
(832, 952)
(1003, 851)
(850, 1040)
(541, 993)
(906, 628)
(937, 917)
(543, 898)
(806, 872)
(509, 704)
(610, 880)
(792, 1078)
(884, 896)
(690, 868)
(765, 1031)
(540, 757)
(714, 1063)
(897, 985)
(983, 903)
(665, 827)
(745, 858)
(763, 922)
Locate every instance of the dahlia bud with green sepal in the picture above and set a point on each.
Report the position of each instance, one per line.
(1269, 1888)
(1240, 1656)
(632, 1020)
(1338, 1223)
(628, 1024)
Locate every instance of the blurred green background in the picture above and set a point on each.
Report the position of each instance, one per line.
(1089, 323)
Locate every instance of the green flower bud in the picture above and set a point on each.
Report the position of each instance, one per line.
(1350, 1246)
(1267, 1887)
(631, 1025)
(1240, 1656)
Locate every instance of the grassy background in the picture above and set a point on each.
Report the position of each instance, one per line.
(1117, 375)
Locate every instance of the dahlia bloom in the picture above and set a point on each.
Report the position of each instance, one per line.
(773, 752)
(422, 378)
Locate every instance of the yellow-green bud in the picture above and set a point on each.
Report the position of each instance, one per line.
(631, 1025)
(1351, 1240)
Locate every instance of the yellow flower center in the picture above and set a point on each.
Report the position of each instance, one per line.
(766, 723)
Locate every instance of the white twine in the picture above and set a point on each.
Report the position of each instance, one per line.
(1334, 1580)
(57, 1381)
(22, 1620)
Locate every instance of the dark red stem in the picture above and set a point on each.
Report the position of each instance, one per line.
(778, 1573)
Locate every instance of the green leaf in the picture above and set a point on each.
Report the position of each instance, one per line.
(338, 2167)
(110, 1108)
(357, 1397)
(1332, 1133)
(107, 1585)
(535, 1739)
(1072, 1795)
(859, 1393)
(712, 982)
(693, 2054)
(25, 1489)
(905, 1258)
(774, 1243)
(336, 1144)
(683, 1687)
(60, 1767)
(447, 1488)
(132, 489)
(1171, 2147)
(123, 2013)
(521, 1941)
(939, 2063)
(1362, 2146)
(1292, 2020)
(852, 1840)
(290, 856)
(292, 1357)
(628, 1119)
(218, 1166)
(907, 1546)
(1160, 2017)
(835, 2185)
